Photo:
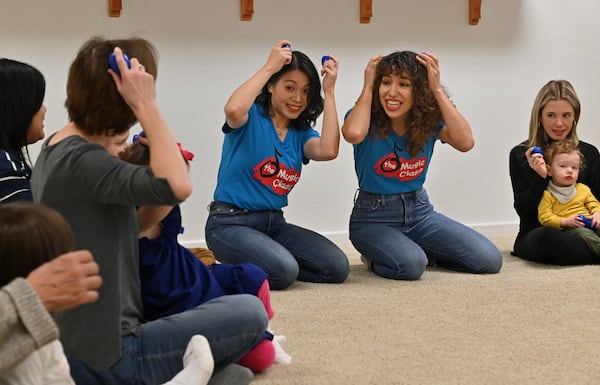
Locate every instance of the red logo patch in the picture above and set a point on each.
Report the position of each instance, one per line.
(277, 176)
(390, 166)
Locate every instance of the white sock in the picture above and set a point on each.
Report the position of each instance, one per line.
(281, 356)
(198, 363)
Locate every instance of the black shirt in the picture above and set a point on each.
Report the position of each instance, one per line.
(528, 186)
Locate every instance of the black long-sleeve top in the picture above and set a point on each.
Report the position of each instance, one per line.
(528, 186)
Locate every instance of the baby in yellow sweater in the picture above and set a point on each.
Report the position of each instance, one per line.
(567, 204)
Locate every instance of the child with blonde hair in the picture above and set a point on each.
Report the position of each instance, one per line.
(567, 204)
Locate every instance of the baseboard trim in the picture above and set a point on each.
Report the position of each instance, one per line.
(340, 238)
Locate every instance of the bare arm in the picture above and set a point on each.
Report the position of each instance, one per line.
(149, 217)
(457, 131)
(327, 146)
(356, 124)
(240, 101)
(138, 89)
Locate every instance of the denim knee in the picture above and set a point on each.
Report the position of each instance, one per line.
(254, 311)
(410, 270)
(401, 268)
(490, 263)
(338, 274)
(283, 277)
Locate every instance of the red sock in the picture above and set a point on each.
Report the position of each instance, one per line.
(260, 358)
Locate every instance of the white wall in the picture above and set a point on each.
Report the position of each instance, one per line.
(493, 70)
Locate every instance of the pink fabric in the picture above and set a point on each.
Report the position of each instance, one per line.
(264, 294)
(260, 358)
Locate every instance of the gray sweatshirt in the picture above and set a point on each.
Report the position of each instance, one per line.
(98, 194)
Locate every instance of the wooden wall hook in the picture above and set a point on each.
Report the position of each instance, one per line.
(114, 8)
(366, 11)
(247, 9)
(474, 11)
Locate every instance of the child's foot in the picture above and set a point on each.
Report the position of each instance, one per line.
(198, 363)
(281, 356)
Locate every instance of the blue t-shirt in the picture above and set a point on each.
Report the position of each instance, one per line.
(257, 169)
(383, 166)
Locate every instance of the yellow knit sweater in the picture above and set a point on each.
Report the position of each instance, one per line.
(550, 210)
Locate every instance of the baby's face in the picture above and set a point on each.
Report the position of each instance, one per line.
(116, 144)
(564, 169)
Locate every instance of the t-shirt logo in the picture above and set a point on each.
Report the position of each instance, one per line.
(393, 165)
(275, 175)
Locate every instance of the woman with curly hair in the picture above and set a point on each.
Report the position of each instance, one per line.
(400, 114)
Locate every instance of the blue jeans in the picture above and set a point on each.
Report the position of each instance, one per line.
(83, 374)
(233, 324)
(284, 251)
(401, 233)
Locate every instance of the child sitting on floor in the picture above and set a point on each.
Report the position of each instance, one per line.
(567, 204)
(173, 279)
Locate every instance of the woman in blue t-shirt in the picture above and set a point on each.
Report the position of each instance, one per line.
(400, 114)
(268, 137)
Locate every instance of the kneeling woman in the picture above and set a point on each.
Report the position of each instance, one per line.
(402, 111)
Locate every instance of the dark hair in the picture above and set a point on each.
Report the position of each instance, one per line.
(309, 116)
(22, 90)
(136, 153)
(93, 102)
(30, 235)
(424, 116)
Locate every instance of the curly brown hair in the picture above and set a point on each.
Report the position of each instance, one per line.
(424, 116)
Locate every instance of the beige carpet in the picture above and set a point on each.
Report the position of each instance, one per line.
(529, 324)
